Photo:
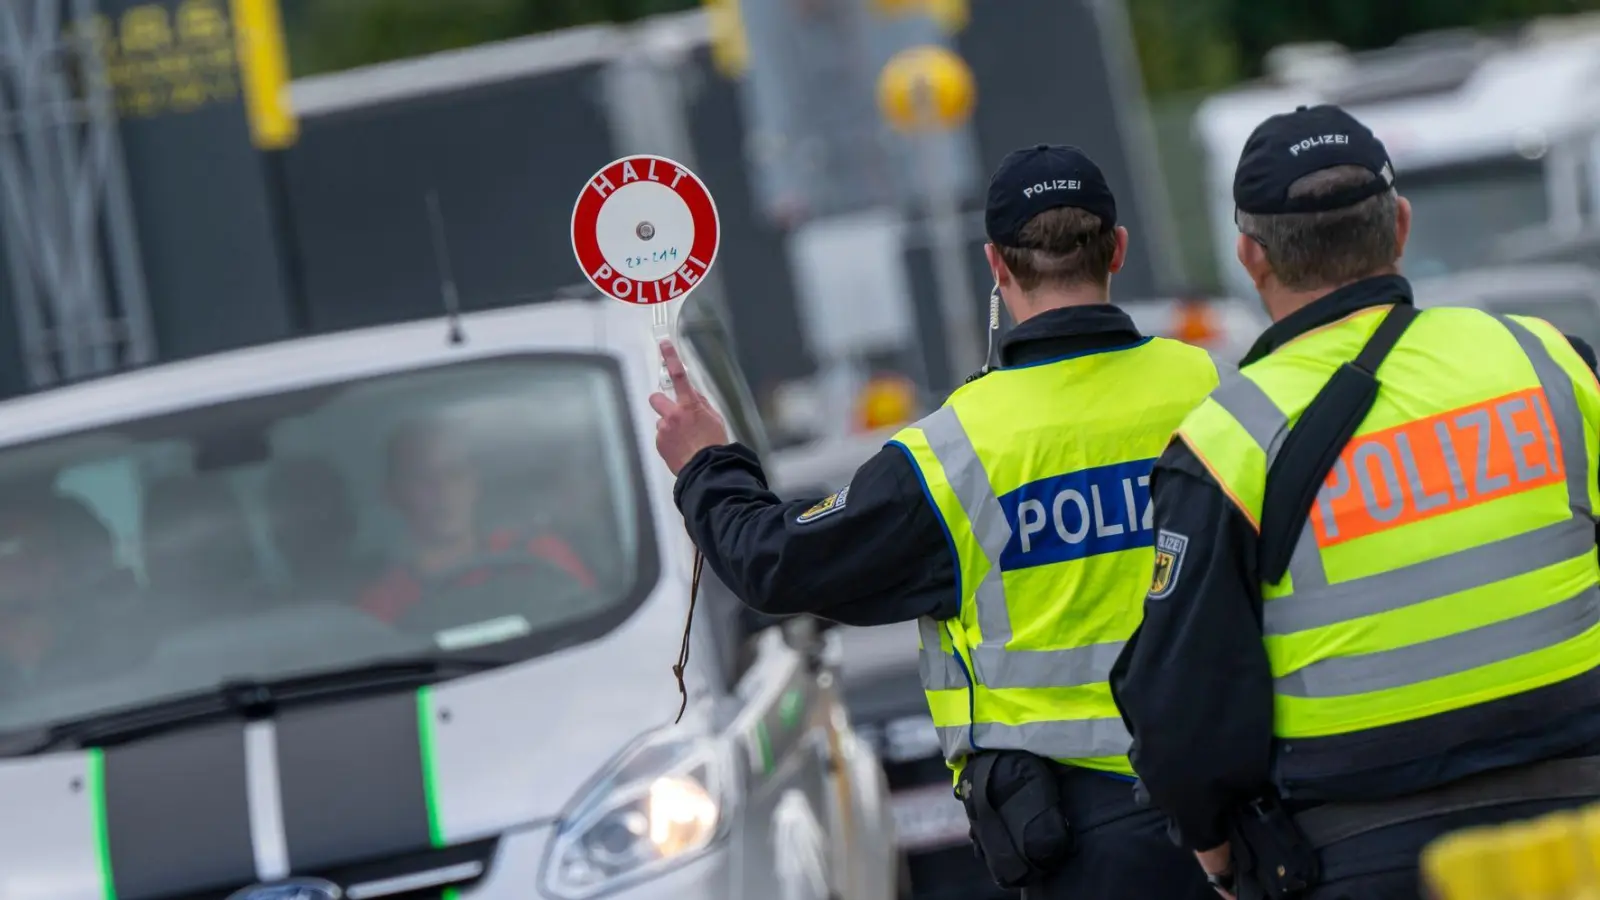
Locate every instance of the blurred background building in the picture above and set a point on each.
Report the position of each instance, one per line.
(184, 176)
(181, 177)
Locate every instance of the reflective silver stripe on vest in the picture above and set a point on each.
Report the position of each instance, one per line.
(1475, 566)
(1429, 579)
(1314, 603)
(1079, 739)
(1250, 405)
(940, 671)
(1563, 399)
(955, 742)
(1269, 428)
(1415, 663)
(994, 665)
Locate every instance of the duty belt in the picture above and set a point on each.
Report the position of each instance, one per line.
(1559, 779)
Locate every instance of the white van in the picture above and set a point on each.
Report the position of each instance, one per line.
(383, 615)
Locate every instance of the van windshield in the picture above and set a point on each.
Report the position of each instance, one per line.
(1460, 212)
(492, 508)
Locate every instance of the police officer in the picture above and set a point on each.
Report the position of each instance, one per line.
(1374, 616)
(1014, 524)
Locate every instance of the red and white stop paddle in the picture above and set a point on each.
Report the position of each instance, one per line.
(645, 232)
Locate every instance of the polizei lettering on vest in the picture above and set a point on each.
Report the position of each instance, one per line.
(1079, 514)
(1438, 465)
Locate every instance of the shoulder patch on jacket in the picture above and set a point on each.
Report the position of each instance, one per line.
(1170, 547)
(827, 506)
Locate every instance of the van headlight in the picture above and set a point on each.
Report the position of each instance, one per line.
(658, 805)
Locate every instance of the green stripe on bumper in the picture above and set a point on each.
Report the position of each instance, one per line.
(94, 779)
(430, 781)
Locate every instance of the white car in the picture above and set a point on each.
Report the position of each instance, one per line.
(382, 615)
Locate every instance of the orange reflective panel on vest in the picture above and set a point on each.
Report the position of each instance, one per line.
(1437, 465)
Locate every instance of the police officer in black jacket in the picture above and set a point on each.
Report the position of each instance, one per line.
(1195, 682)
(875, 552)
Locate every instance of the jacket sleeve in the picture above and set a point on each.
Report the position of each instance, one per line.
(1193, 684)
(872, 553)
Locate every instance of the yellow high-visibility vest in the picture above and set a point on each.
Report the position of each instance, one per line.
(1449, 559)
(1041, 476)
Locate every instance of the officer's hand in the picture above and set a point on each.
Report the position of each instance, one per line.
(688, 424)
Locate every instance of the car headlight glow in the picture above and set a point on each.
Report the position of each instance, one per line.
(660, 804)
(682, 816)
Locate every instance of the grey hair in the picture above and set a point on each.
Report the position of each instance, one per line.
(1323, 249)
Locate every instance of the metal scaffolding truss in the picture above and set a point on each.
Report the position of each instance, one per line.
(77, 286)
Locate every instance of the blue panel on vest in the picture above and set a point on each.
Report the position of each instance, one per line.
(1079, 514)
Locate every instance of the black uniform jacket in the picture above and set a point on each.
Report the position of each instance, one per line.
(878, 552)
(1194, 683)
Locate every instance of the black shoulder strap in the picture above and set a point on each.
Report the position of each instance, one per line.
(1315, 442)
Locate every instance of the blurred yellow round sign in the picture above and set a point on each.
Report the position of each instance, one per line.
(927, 88)
(887, 400)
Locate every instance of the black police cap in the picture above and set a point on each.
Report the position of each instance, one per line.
(1042, 178)
(1290, 146)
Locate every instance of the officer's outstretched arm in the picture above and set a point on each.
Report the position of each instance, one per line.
(1194, 684)
(870, 553)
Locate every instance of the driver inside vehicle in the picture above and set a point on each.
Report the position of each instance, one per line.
(435, 487)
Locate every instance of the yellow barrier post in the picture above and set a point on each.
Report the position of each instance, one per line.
(264, 70)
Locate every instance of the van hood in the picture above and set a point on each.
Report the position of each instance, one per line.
(387, 780)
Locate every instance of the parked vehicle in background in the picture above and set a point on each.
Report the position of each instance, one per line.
(1488, 135)
(1566, 296)
(236, 666)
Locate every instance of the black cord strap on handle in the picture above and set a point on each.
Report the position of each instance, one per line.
(1315, 442)
(688, 625)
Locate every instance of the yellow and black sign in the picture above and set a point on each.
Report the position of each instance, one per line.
(174, 57)
(827, 506)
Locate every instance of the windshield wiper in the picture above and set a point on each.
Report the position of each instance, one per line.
(241, 698)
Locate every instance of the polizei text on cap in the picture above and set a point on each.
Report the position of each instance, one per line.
(1318, 141)
(1060, 184)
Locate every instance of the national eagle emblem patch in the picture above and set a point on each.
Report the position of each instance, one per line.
(827, 506)
(1170, 548)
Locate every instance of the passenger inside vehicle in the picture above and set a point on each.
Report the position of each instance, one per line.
(434, 486)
